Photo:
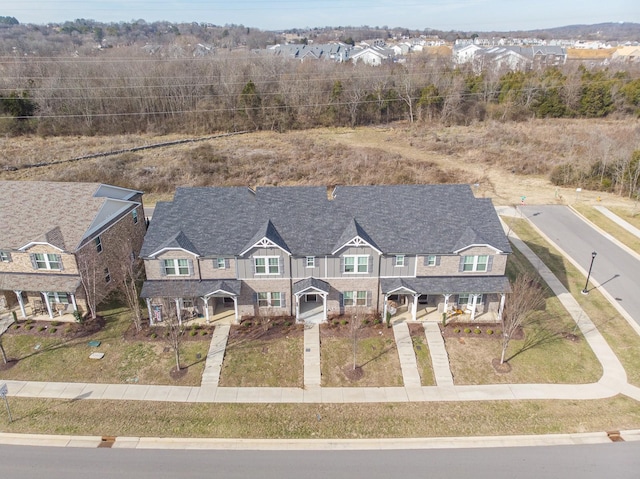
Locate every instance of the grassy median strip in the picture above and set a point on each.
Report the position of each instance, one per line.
(423, 359)
(280, 421)
(618, 232)
(619, 334)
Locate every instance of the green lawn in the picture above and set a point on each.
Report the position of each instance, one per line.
(423, 359)
(377, 356)
(125, 361)
(619, 334)
(274, 362)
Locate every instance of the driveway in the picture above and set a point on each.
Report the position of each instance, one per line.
(617, 271)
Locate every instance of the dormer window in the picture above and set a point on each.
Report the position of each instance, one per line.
(475, 263)
(176, 267)
(46, 261)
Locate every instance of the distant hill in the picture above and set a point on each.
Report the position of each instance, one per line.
(613, 31)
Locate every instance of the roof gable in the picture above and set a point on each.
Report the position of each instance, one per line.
(266, 236)
(179, 241)
(354, 235)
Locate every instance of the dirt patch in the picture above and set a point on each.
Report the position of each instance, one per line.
(178, 374)
(571, 337)
(353, 374)
(503, 368)
(8, 365)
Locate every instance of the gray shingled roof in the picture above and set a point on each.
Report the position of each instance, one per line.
(308, 283)
(55, 212)
(188, 288)
(448, 284)
(410, 219)
(64, 283)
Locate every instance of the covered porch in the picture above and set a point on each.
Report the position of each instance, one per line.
(208, 301)
(41, 296)
(474, 298)
(311, 300)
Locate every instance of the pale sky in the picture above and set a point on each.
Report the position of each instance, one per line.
(480, 15)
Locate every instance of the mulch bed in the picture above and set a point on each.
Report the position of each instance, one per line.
(196, 332)
(266, 329)
(477, 330)
(336, 329)
(56, 328)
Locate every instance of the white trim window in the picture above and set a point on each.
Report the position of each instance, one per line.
(356, 263)
(465, 298)
(221, 263)
(268, 299)
(56, 297)
(5, 257)
(399, 260)
(477, 263)
(431, 260)
(134, 215)
(47, 261)
(98, 243)
(354, 298)
(310, 261)
(267, 264)
(107, 275)
(176, 267)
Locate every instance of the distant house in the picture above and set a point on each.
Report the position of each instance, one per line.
(509, 57)
(406, 251)
(373, 56)
(627, 54)
(53, 233)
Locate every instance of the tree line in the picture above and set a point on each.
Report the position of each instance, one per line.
(231, 92)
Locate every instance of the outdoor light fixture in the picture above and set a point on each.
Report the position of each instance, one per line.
(593, 256)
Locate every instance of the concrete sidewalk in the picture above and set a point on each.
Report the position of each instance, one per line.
(619, 221)
(439, 356)
(407, 356)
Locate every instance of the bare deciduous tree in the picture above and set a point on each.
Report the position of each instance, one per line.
(131, 272)
(526, 296)
(174, 329)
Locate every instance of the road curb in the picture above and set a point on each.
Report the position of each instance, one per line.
(320, 444)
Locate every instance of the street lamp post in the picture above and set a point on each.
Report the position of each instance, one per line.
(593, 257)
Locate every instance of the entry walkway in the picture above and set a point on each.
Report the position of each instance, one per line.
(408, 364)
(439, 356)
(612, 382)
(213, 364)
(312, 374)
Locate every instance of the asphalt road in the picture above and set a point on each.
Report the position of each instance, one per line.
(617, 271)
(614, 460)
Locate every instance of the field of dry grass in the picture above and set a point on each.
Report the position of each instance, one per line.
(505, 160)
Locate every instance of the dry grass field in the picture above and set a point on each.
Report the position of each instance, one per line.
(505, 160)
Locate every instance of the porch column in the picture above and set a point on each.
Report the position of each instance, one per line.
(46, 301)
(384, 308)
(235, 307)
(151, 322)
(206, 308)
(21, 303)
(501, 308)
(446, 303)
(414, 308)
(178, 312)
(73, 301)
(297, 307)
(474, 301)
(324, 304)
